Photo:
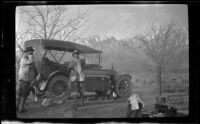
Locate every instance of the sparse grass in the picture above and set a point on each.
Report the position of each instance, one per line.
(144, 85)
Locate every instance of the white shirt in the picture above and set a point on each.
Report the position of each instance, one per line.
(25, 71)
(134, 99)
(78, 68)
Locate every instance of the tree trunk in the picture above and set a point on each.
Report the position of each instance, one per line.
(159, 71)
(163, 76)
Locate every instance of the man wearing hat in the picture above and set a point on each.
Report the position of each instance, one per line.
(26, 76)
(77, 72)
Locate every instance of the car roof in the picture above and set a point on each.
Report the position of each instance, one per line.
(60, 45)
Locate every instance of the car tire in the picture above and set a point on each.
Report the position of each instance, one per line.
(58, 87)
(123, 80)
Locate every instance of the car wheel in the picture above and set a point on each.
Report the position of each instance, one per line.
(123, 87)
(58, 87)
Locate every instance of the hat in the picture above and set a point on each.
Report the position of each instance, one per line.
(75, 52)
(29, 49)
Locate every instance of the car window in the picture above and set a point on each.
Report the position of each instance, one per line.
(49, 56)
(66, 58)
(92, 59)
(55, 56)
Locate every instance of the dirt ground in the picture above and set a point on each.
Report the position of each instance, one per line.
(111, 110)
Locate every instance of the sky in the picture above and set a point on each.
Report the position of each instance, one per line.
(123, 21)
(128, 20)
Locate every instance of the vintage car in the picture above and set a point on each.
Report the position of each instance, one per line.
(52, 58)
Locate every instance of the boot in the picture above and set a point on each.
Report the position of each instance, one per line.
(17, 103)
(81, 99)
(76, 101)
(21, 106)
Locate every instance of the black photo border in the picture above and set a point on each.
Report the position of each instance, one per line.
(8, 112)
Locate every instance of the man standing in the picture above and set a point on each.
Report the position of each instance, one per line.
(26, 76)
(134, 107)
(77, 72)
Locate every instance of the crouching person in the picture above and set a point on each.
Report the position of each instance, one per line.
(26, 77)
(135, 106)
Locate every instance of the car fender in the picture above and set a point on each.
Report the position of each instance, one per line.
(53, 74)
(125, 75)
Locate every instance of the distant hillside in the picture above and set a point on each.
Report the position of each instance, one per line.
(120, 52)
(126, 54)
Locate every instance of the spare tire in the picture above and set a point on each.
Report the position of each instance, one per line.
(58, 87)
(123, 86)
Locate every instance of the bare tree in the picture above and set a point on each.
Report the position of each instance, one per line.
(48, 22)
(53, 22)
(160, 45)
